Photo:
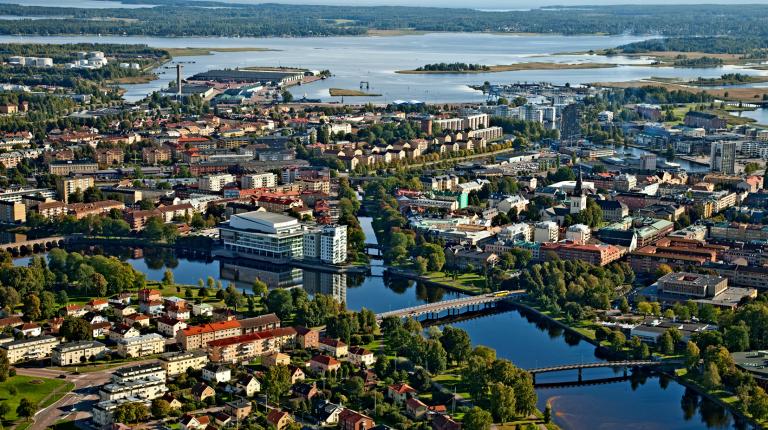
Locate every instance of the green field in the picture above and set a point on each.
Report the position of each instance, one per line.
(41, 391)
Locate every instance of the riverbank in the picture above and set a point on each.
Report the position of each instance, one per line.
(533, 65)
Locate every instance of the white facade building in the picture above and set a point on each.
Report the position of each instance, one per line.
(215, 182)
(260, 180)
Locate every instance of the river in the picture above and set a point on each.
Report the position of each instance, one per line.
(375, 60)
(642, 402)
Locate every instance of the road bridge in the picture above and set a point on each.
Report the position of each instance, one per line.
(33, 245)
(471, 303)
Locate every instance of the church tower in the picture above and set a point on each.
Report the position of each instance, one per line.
(578, 197)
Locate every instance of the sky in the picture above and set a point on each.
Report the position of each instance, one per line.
(497, 4)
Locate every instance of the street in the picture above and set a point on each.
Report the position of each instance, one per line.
(82, 397)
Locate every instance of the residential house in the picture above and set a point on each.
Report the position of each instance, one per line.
(323, 363)
(361, 356)
(400, 392)
(279, 419)
(333, 347)
(202, 391)
(217, 373)
(307, 338)
(248, 385)
(352, 420)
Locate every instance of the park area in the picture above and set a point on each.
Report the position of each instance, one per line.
(41, 393)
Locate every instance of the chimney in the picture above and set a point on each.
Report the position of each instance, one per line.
(178, 79)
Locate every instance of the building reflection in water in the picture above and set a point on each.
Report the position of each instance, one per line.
(244, 272)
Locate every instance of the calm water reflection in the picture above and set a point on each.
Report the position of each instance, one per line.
(642, 402)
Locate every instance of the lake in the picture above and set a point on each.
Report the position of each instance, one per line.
(375, 60)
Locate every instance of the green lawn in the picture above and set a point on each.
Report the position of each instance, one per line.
(472, 283)
(41, 391)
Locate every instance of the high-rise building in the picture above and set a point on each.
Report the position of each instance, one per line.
(327, 243)
(570, 125)
(723, 157)
(648, 162)
(66, 186)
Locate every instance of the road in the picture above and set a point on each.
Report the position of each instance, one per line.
(82, 397)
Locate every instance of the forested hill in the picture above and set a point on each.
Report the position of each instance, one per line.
(190, 18)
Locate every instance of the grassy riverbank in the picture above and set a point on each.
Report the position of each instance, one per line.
(516, 67)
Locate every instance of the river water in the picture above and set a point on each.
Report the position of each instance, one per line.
(375, 60)
(641, 402)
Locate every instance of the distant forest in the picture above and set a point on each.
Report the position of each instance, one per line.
(185, 18)
(710, 45)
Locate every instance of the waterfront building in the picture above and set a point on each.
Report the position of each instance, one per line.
(264, 234)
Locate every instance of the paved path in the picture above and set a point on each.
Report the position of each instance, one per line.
(82, 398)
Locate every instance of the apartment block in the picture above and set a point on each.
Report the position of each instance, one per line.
(176, 363)
(67, 186)
(141, 346)
(35, 348)
(66, 354)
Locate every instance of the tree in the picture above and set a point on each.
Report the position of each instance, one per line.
(666, 345)
(280, 302)
(502, 402)
(260, 288)
(32, 307)
(48, 305)
(277, 381)
(160, 408)
(5, 366)
(692, 354)
(548, 413)
(624, 305)
(477, 419)
(76, 329)
(711, 376)
(662, 270)
(736, 337)
(525, 394)
(168, 278)
(4, 410)
(25, 409)
(457, 344)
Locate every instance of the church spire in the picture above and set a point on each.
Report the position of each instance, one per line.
(578, 189)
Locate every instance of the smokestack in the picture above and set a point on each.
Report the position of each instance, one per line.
(178, 79)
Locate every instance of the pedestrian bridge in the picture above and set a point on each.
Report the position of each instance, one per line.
(626, 364)
(470, 303)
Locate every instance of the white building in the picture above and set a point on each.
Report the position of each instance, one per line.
(545, 231)
(578, 233)
(259, 180)
(215, 182)
(515, 232)
(264, 234)
(327, 243)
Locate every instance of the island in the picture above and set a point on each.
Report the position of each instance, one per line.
(342, 92)
(476, 68)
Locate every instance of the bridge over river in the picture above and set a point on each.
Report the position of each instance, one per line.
(626, 364)
(470, 303)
